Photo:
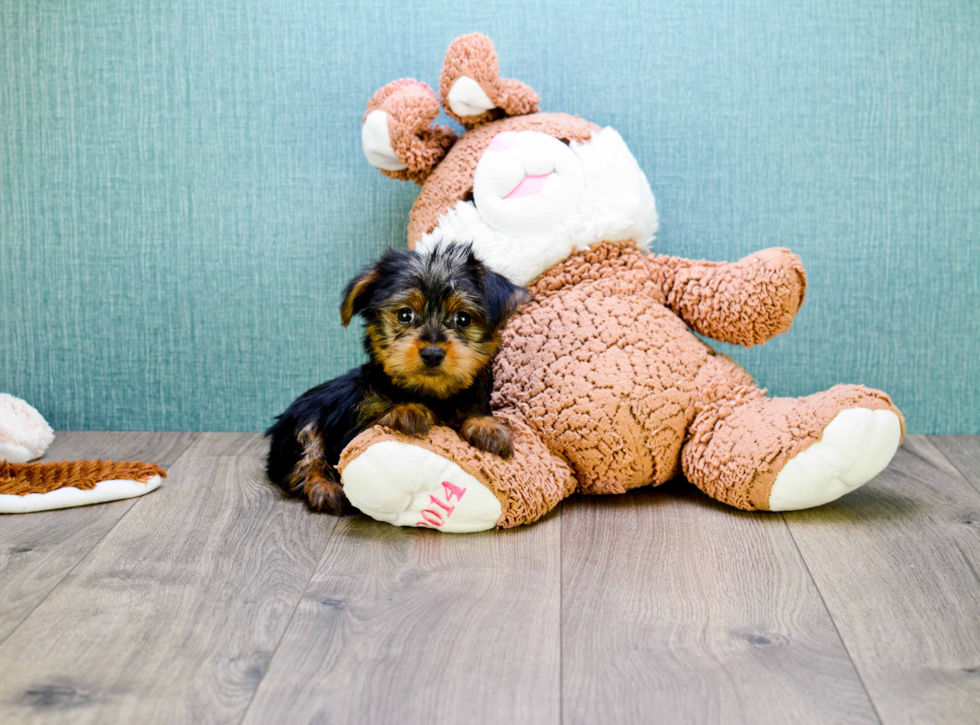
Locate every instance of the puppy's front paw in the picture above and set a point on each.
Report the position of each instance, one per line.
(488, 434)
(409, 418)
(327, 496)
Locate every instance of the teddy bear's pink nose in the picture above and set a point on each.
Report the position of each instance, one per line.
(503, 141)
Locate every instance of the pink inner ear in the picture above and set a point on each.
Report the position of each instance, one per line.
(503, 141)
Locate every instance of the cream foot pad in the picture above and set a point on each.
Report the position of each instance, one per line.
(407, 485)
(855, 447)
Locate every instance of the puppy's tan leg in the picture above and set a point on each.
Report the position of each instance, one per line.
(315, 479)
(489, 434)
(409, 418)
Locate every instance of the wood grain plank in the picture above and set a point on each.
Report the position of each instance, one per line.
(897, 563)
(679, 609)
(174, 615)
(414, 626)
(37, 550)
(963, 453)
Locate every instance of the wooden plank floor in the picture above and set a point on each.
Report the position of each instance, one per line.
(215, 599)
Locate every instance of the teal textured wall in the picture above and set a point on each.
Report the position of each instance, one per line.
(183, 195)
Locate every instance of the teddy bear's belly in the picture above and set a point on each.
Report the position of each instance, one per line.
(606, 381)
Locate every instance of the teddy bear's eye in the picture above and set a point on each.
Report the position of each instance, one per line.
(405, 315)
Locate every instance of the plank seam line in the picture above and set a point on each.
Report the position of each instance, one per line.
(847, 651)
(950, 461)
(561, 613)
(299, 600)
(919, 457)
(195, 435)
(69, 572)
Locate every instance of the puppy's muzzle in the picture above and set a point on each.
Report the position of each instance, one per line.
(432, 356)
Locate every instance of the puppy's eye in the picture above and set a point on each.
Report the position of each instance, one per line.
(462, 320)
(405, 315)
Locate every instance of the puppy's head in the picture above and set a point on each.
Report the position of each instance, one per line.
(433, 318)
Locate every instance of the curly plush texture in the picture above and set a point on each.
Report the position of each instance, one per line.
(411, 108)
(601, 370)
(607, 373)
(710, 296)
(26, 478)
(740, 440)
(473, 55)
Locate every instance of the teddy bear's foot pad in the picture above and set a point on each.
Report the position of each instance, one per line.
(408, 485)
(855, 447)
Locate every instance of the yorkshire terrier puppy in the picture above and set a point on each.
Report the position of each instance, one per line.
(432, 327)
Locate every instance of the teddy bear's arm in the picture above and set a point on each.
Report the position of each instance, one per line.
(743, 303)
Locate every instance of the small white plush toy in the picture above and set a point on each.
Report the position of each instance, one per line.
(27, 487)
(24, 433)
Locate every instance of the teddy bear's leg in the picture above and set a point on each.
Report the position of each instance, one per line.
(442, 482)
(782, 454)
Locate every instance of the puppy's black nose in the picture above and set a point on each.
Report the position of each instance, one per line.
(432, 355)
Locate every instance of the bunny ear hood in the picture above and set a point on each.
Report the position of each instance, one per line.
(473, 92)
(526, 188)
(398, 135)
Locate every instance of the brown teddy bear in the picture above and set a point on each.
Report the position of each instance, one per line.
(601, 377)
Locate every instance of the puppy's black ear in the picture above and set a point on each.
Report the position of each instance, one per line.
(357, 293)
(502, 298)
(375, 278)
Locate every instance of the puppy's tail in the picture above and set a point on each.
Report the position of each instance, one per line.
(284, 452)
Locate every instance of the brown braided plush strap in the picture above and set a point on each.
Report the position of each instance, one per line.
(22, 479)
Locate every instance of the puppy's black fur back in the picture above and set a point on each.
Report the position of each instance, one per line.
(333, 405)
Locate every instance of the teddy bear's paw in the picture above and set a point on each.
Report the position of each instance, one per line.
(854, 448)
(407, 485)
